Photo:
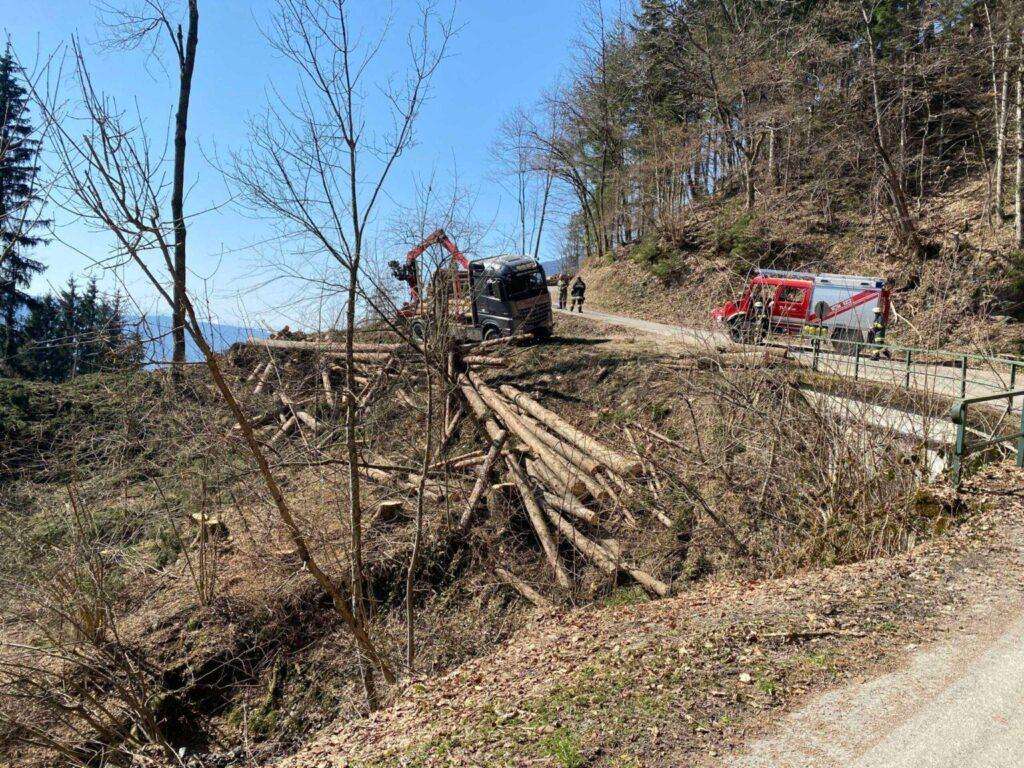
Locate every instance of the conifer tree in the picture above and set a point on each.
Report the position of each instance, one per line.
(19, 202)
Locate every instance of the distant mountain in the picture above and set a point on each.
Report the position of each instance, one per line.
(551, 267)
(156, 334)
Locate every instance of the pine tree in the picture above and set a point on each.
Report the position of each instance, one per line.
(657, 51)
(19, 201)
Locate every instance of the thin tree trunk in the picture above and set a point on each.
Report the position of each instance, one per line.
(187, 62)
(1018, 192)
(410, 576)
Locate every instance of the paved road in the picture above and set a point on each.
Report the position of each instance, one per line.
(927, 377)
(956, 705)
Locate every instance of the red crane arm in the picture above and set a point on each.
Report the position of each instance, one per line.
(440, 237)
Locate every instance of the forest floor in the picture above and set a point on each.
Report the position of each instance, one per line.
(692, 680)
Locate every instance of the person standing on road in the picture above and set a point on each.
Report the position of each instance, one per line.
(563, 290)
(579, 293)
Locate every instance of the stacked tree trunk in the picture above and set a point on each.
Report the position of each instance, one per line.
(306, 381)
(569, 481)
(570, 485)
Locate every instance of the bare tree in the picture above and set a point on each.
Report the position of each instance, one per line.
(135, 27)
(113, 178)
(318, 165)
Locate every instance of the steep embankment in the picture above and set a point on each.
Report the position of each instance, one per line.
(685, 681)
(967, 293)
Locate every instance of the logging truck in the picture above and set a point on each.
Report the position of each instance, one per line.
(489, 298)
(843, 308)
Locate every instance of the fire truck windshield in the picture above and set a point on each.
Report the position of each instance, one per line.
(525, 284)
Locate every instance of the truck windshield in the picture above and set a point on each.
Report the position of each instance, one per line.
(526, 284)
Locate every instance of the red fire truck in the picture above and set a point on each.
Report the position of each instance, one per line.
(843, 308)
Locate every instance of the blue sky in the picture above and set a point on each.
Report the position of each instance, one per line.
(505, 55)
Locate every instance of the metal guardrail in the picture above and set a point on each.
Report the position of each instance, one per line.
(967, 373)
(993, 378)
(958, 415)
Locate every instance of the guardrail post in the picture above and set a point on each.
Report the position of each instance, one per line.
(1020, 441)
(963, 377)
(958, 450)
(906, 384)
(1013, 386)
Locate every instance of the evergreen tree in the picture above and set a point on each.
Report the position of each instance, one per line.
(657, 57)
(19, 201)
(77, 332)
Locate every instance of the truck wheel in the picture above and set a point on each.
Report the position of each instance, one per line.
(736, 332)
(742, 331)
(491, 332)
(844, 340)
(418, 330)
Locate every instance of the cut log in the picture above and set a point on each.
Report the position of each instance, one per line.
(321, 346)
(264, 377)
(606, 561)
(500, 496)
(595, 554)
(570, 476)
(261, 420)
(255, 374)
(566, 450)
(484, 361)
(523, 588)
(479, 408)
(570, 505)
(209, 525)
(597, 450)
(388, 511)
(459, 462)
(540, 527)
(482, 481)
(480, 346)
(363, 357)
(308, 420)
(451, 428)
(288, 426)
(325, 379)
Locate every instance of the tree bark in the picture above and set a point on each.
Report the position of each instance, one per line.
(187, 63)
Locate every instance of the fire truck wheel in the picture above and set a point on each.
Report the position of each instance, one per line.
(417, 329)
(742, 332)
(844, 340)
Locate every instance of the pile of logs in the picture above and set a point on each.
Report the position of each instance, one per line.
(567, 480)
(318, 402)
(569, 484)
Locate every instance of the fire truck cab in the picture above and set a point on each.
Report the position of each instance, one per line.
(843, 308)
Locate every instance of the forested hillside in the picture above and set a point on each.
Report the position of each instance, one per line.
(697, 140)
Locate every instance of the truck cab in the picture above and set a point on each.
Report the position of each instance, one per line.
(509, 296)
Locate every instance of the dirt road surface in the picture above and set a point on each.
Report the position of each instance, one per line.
(955, 705)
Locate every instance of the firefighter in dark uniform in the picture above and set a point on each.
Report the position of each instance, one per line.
(579, 294)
